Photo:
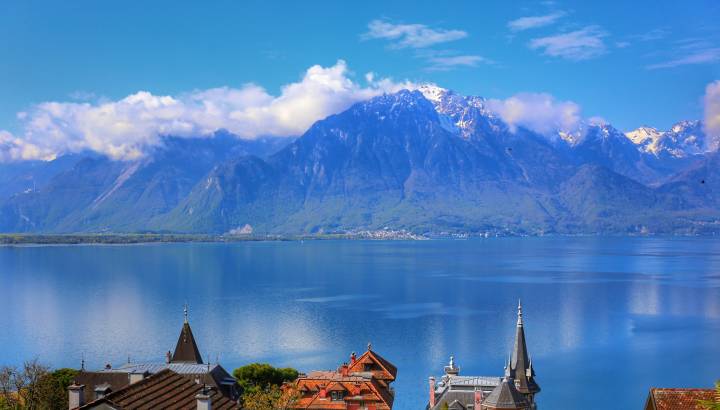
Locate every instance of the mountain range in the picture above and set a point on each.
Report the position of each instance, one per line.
(428, 161)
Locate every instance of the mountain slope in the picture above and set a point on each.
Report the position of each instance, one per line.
(97, 194)
(429, 161)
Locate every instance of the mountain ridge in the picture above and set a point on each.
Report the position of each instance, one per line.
(426, 161)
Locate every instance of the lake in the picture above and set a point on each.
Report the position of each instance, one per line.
(605, 318)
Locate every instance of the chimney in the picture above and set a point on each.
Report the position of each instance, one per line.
(343, 370)
(478, 398)
(101, 391)
(168, 357)
(432, 392)
(203, 400)
(353, 358)
(76, 396)
(136, 376)
(323, 392)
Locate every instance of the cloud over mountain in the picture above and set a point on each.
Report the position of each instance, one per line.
(126, 128)
(712, 113)
(538, 112)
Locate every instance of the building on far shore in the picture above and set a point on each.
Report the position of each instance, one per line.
(182, 380)
(361, 384)
(679, 399)
(516, 390)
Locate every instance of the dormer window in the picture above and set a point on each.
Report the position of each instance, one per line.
(367, 367)
(337, 395)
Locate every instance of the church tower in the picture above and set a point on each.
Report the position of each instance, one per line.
(186, 350)
(521, 368)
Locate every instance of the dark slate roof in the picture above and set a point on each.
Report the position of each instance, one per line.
(165, 389)
(91, 380)
(212, 374)
(679, 399)
(506, 396)
(186, 350)
(520, 361)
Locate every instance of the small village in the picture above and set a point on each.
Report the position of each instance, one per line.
(183, 380)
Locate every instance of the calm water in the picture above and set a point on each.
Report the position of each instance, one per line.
(606, 318)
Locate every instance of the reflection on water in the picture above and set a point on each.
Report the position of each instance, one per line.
(617, 314)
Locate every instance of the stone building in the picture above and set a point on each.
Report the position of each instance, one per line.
(515, 390)
(174, 383)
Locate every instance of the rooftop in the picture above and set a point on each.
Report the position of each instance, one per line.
(181, 368)
(679, 399)
(165, 389)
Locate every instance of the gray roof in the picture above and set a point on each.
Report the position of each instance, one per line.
(180, 368)
(472, 381)
(461, 389)
(506, 396)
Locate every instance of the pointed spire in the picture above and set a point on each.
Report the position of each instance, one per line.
(186, 350)
(520, 360)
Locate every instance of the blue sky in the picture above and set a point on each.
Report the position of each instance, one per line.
(632, 63)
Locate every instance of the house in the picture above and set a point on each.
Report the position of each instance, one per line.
(361, 384)
(679, 399)
(515, 390)
(165, 389)
(186, 363)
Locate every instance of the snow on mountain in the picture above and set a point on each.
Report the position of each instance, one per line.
(468, 114)
(684, 139)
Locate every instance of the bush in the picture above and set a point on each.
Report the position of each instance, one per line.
(261, 376)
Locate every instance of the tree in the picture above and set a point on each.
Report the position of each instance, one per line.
(270, 398)
(715, 403)
(34, 387)
(257, 377)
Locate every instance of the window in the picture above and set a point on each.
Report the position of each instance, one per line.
(367, 367)
(337, 395)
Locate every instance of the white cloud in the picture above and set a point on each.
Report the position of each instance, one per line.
(126, 128)
(702, 56)
(576, 45)
(538, 112)
(712, 114)
(529, 22)
(446, 63)
(411, 35)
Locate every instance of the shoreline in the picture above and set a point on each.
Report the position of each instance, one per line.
(8, 239)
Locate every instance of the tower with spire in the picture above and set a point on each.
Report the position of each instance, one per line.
(515, 390)
(186, 350)
(520, 364)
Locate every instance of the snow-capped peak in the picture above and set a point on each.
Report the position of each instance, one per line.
(432, 92)
(683, 139)
(643, 134)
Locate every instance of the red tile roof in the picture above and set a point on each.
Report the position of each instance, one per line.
(389, 371)
(317, 386)
(679, 399)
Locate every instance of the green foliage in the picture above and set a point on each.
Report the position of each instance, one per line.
(271, 398)
(34, 387)
(256, 377)
(712, 404)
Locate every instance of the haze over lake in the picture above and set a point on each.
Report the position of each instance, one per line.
(605, 318)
